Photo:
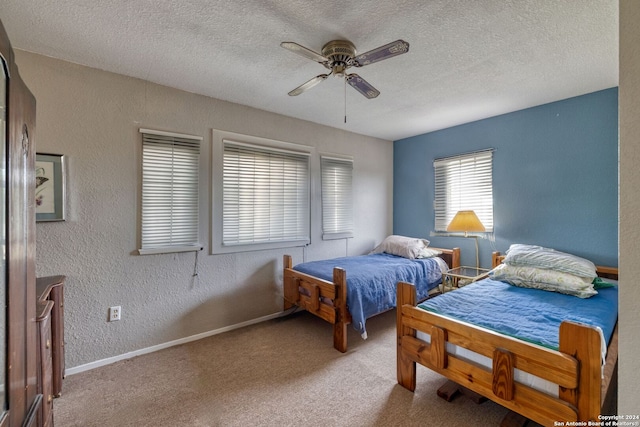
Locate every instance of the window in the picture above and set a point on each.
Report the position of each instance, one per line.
(265, 195)
(337, 197)
(169, 192)
(464, 182)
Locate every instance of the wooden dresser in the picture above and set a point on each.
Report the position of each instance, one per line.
(51, 289)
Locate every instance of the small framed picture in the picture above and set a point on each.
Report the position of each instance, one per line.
(50, 187)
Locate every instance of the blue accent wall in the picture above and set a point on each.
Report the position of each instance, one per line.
(555, 178)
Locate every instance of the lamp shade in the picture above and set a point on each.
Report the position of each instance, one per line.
(465, 221)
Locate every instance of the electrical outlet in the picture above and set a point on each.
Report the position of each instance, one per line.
(115, 313)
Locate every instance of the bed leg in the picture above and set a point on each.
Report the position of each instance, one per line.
(340, 337)
(449, 390)
(513, 419)
(287, 305)
(289, 290)
(406, 372)
(406, 368)
(340, 325)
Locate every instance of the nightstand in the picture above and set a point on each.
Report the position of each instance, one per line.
(460, 276)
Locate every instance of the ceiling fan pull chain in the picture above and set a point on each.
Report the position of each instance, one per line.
(345, 99)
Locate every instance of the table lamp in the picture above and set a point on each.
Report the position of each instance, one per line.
(467, 221)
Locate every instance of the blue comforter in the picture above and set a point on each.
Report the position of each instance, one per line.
(532, 315)
(372, 281)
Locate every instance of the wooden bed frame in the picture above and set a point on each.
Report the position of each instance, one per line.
(586, 390)
(328, 300)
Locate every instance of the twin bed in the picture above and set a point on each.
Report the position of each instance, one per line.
(563, 376)
(323, 288)
(570, 376)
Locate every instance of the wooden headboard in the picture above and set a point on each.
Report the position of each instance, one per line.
(602, 271)
(450, 256)
(496, 259)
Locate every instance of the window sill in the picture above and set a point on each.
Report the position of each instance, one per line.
(169, 250)
(336, 236)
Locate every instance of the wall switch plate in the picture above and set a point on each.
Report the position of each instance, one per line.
(115, 313)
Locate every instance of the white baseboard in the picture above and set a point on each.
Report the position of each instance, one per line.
(129, 355)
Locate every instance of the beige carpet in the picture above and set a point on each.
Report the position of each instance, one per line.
(283, 372)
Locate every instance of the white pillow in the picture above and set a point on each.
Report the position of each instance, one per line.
(428, 253)
(540, 278)
(407, 247)
(539, 257)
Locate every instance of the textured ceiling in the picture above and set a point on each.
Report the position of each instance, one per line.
(468, 59)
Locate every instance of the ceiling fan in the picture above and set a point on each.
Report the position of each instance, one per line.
(340, 55)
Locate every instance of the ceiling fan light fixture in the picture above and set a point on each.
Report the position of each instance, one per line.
(339, 70)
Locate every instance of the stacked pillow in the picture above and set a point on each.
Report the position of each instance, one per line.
(537, 267)
(407, 247)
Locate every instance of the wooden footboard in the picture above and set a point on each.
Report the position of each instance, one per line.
(328, 300)
(576, 367)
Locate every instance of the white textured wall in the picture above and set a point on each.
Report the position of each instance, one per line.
(93, 118)
(629, 101)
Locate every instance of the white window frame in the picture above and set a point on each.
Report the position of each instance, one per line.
(463, 182)
(277, 149)
(336, 174)
(169, 217)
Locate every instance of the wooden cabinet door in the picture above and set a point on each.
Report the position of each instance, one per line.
(19, 230)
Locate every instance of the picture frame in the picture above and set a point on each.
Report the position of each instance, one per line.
(50, 191)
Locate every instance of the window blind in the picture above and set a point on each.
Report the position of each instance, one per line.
(337, 197)
(170, 164)
(265, 195)
(464, 182)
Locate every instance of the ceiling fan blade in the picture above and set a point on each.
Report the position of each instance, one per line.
(390, 50)
(361, 85)
(303, 51)
(308, 85)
